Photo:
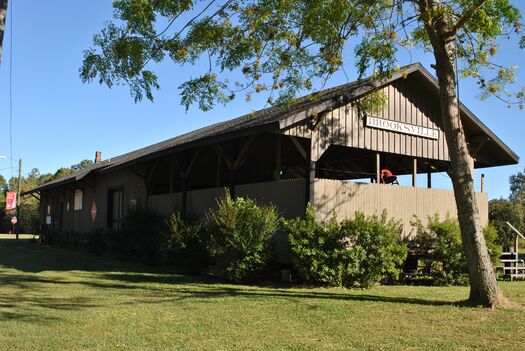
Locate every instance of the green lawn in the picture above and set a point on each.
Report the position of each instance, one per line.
(52, 299)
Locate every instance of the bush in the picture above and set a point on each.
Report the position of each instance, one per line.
(142, 236)
(318, 248)
(441, 242)
(377, 253)
(5, 223)
(186, 239)
(354, 252)
(240, 235)
(65, 239)
(97, 241)
(492, 239)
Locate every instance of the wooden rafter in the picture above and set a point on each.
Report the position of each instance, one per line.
(298, 146)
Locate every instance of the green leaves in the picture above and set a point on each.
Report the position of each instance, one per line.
(122, 60)
(240, 236)
(204, 90)
(138, 14)
(353, 252)
(290, 46)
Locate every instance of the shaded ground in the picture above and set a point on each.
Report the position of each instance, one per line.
(52, 299)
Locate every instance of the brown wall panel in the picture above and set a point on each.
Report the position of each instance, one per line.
(407, 103)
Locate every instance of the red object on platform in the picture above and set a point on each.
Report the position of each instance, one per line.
(388, 177)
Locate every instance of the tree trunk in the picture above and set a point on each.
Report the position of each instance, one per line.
(484, 288)
(3, 15)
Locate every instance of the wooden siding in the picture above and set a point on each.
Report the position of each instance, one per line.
(400, 202)
(407, 102)
(80, 220)
(287, 195)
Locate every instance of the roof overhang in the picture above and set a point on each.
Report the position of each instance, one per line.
(283, 117)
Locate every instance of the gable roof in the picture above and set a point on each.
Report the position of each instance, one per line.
(281, 117)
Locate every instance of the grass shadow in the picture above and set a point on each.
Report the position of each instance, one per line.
(28, 257)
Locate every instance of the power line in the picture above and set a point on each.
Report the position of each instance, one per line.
(11, 88)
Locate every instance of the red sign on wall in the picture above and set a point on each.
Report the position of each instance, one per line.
(10, 200)
(93, 211)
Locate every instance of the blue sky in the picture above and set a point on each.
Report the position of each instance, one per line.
(58, 121)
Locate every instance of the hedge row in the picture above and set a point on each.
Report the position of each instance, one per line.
(238, 239)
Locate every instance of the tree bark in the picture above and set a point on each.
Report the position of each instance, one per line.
(484, 289)
(3, 15)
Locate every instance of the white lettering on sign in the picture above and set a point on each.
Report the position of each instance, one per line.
(400, 127)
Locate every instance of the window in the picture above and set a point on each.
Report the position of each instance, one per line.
(78, 200)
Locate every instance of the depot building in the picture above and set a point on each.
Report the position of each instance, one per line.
(322, 149)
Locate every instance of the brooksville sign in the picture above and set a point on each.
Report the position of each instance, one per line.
(400, 127)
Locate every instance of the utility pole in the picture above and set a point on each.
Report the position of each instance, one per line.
(18, 196)
(3, 15)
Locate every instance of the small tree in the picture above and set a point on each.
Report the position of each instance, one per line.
(240, 235)
(186, 238)
(517, 188)
(502, 211)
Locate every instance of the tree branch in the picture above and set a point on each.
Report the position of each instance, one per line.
(467, 14)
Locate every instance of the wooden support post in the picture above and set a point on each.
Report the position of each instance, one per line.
(171, 176)
(278, 157)
(184, 171)
(219, 171)
(429, 180)
(482, 183)
(318, 145)
(414, 172)
(232, 183)
(235, 157)
(311, 180)
(184, 196)
(378, 167)
(149, 178)
(308, 179)
(235, 160)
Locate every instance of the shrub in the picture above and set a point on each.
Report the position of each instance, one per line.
(441, 242)
(448, 250)
(354, 252)
(492, 239)
(97, 241)
(186, 239)
(318, 249)
(5, 224)
(240, 235)
(142, 236)
(65, 239)
(377, 253)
